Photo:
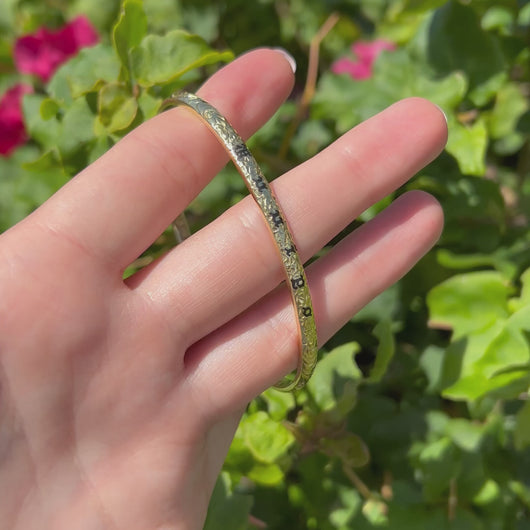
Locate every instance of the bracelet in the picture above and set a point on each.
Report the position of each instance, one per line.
(262, 193)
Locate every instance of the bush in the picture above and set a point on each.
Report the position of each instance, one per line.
(417, 415)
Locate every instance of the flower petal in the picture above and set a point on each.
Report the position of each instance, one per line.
(356, 70)
(42, 52)
(368, 52)
(12, 129)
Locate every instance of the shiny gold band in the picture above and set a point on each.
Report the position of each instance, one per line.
(264, 197)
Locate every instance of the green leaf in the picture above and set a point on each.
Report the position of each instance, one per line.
(474, 386)
(279, 404)
(384, 306)
(459, 377)
(439, 463)
(349, 448)
(495, 358)
(466, 520)
(49, 160)
(510, 348)
(524, 300)
(521, 490)
(468, 302)
(436, 423)
(410, 78)
(468, 144)
(162, 60)
(27, 179)
(203, 21)
(481, 95)
(49, 109)
(334, 376)
(458, 43)
(129, 30)
(489, 493)
(227, 509)
(423, 6)
(8, 11)
(66, 136)
(375, 511)
(396, 75)
(84, 73)
(490, 351)
(475, 213)
(239, 459)
(77, 127)
(465, 434)
(117, 108)
(336, 99)
(164, 15)
(100, 146)
(497, 17)
(510, 106)
(497, 260)
(311, 138)
(46, 132)
(266, 474)
(102, 13)
(148, 105)
(524, 16)
(267, 439)
(350, 505)
(522, 427)
(385, 350)
(432, 362)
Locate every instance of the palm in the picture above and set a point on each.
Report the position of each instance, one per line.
(119, 399)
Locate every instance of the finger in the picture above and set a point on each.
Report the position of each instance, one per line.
(252, 352)
(233, 262)
(120, 204)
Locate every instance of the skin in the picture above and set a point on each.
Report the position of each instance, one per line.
(118, 400)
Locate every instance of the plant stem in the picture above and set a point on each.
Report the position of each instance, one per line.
(452, 502)
(362, 488)
(310, 84)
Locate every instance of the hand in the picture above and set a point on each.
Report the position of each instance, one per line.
(119, 399)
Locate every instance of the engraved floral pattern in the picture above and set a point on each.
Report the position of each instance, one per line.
(264, 197)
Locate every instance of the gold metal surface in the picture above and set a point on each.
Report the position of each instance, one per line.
(264, 197)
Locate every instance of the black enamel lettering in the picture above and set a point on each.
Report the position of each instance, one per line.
(298, 282)
(241, 151)
(290, 250)
(260, 184)
(277, 218)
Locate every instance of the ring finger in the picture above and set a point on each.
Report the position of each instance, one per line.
(233, 262)
(256, 349)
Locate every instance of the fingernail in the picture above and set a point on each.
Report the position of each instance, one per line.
(443, 112)
(289, 57)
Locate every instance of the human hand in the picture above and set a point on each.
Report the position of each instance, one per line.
(119, 399)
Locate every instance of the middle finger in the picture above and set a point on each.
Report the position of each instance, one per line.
(232, 263)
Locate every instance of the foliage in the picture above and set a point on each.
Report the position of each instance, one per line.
(418, 414)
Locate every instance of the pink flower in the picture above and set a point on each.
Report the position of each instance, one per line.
(42, 52)
(12, 130)
(366, 53)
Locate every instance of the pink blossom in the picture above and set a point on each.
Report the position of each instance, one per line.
(42, 52)
(12, 130)
(366, 53)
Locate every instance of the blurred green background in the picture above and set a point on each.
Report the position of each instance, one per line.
(418, 414)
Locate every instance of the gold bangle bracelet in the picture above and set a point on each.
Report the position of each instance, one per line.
(262, 193)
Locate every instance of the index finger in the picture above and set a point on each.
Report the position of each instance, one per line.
(120, 204)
